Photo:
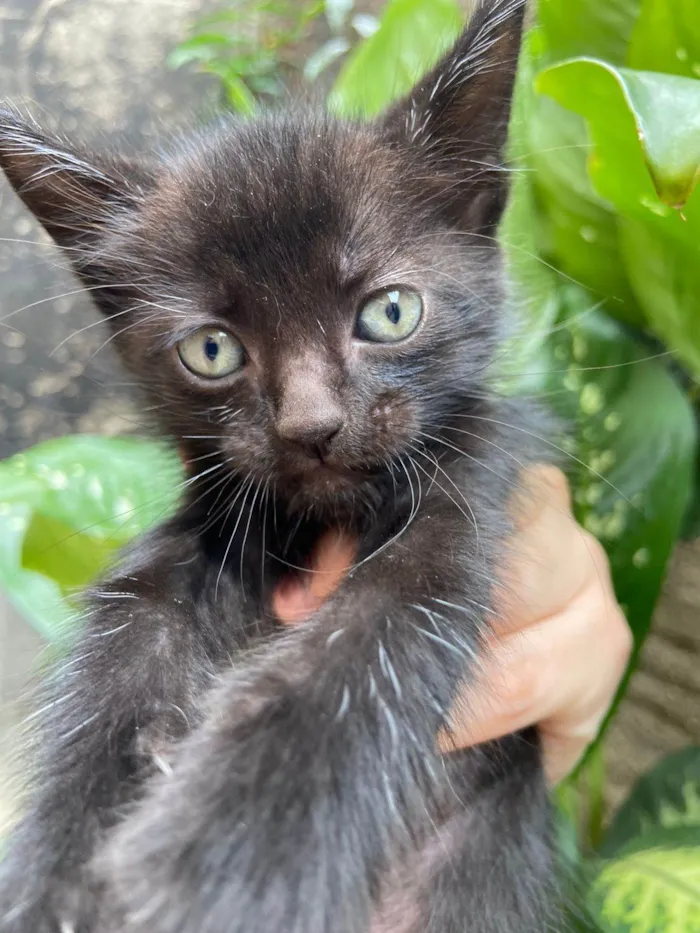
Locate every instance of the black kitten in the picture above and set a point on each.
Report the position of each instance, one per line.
(313, 305)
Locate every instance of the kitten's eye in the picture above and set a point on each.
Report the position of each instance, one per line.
(211, 353)
(390, 316)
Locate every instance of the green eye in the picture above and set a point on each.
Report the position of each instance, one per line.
(390, 316)
(211, 353)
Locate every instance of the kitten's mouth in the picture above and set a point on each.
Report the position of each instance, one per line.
(320, 472)
(317, 475)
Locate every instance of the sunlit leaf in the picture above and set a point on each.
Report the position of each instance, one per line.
(238, 95)
(645, 127)
(599, 28)
(664, 272)
(56, 550)
(634, 442)
(37, 597)
(569, 223)
(653, 886)
(410, 38)
(66, 506)
(666, 38)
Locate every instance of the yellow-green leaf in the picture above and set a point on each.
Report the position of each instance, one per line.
(410, 38)
(652, 890)
(645, 127)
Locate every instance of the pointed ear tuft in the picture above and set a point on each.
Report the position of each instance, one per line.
(456, 118)
(72, 194)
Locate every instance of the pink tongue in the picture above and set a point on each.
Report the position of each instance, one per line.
(299, 596)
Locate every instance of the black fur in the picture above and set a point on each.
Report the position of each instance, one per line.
(201, 771)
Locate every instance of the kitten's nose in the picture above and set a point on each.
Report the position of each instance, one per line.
(313, 432)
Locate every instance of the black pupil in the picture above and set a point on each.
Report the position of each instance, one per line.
(211, 349)
(393, 312)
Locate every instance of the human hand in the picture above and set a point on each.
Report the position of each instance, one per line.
(560, 642)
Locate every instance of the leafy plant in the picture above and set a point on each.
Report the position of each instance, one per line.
(66, 507)
(249, 45)
(646, 874)
(603, 247)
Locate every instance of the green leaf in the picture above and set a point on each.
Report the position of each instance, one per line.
(667, 797)
(36, 596)
(635, 442)
(664, 272)
(411, 37)
(66, 506)
(667, 38)
(56, 550)
(653, 886)
(599, 28)
(569, 223)
(238, 95)
(109, 488)
(645, 127)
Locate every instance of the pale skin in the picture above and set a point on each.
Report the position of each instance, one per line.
(560, 644)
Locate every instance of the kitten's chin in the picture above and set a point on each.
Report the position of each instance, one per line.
(322, 480)
(323, 487)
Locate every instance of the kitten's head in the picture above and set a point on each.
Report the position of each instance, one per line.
(310, 297)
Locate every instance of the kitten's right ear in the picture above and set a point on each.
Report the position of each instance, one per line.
(455, 120)
(73, 194)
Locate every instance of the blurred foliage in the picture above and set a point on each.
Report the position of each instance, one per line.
(252, 45)
(602, 238)
(644, 876)
(66, 507)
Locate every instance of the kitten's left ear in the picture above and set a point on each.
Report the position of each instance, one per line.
(72, 193)
(456, 118)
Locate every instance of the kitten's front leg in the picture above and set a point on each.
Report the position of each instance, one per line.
(144, 654)
(317, 766)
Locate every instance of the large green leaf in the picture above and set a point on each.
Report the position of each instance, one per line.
(645, 127)
(667, 797)
(66, 506)
(576, 229)
(667, 38)
(410, 38)
(634, 450)
(36, 596)
(569, 223)
(653, 886)
(665, 274)
(599, 28)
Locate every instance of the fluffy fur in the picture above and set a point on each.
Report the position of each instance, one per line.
(200, 771)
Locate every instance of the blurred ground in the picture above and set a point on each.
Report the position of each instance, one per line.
(95, 68)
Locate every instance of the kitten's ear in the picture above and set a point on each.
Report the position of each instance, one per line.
(456, 118)
(72, 193)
